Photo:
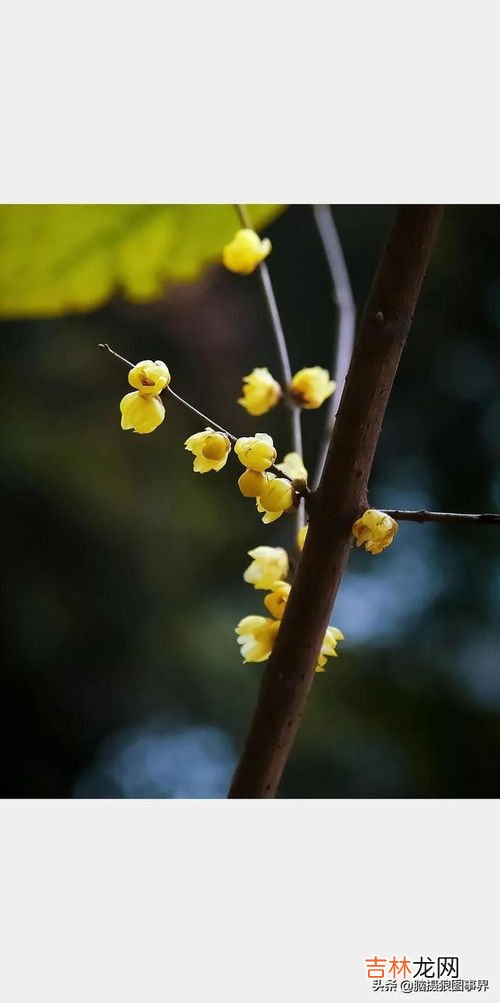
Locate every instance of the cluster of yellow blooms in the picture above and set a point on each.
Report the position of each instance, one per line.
(273, 494)
(256, 634)
(309, 388)
(143, 411)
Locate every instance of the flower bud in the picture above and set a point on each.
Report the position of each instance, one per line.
(256, 452)
(311, 386)
(142, 414)
(293, 466)
(276, 601)
(328, 648)
(251, 483)
(267, 517)
(375, 530)
(211, 450)
(150, 378)
(256, 635)
(260, 392)
(245, 252)
(278, 495)
(269, 565)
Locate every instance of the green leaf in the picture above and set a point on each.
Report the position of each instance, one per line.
(57, 259)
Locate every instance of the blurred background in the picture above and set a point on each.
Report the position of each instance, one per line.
(121, 676)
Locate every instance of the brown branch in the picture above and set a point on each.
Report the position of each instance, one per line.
(340, 498)
(407, 515)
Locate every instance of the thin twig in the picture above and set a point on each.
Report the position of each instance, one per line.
(271, 304)
(340, 498)
(422, 515)
(120, 357)
(346, 320)
(279, 337)
(194, 410)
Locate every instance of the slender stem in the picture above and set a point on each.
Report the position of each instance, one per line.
(346, 320)
(422, 515)
(199, 414)
(279, 337)
(120, 357)
(272, 307)
(304, 493)
(340, 498)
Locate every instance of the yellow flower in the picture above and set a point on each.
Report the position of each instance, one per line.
(251, 483)
(375, 530)
(142, 414)
(293, 467)
(269, 565)
(267, 516)
(257, 635)
(277, 496)
(260, 392)
(245, 252)
(311, 386)
(149, 377)
(273, 502)
(211, 450)
(333, 634)
(276, 601)
(301, 537)
(256, 452)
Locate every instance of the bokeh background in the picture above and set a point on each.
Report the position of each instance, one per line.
(123, 583)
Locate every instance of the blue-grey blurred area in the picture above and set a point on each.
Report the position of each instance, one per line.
(123, 569)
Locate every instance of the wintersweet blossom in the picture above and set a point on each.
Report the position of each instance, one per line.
(311, 386)
(256, 635)
(375, 530)
(150, 378)
(251, 483)
(269, 565)
(267, 517)
(141, 414)
(211, 450)
(261, 392)
(332, 636)
(245, 252)
(293, 466)
(256, 452)
(276, 601)
(278, 495)
(301, 537)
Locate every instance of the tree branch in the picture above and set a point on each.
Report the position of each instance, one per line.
(340, 498)
(346, 320)
(407, 515)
